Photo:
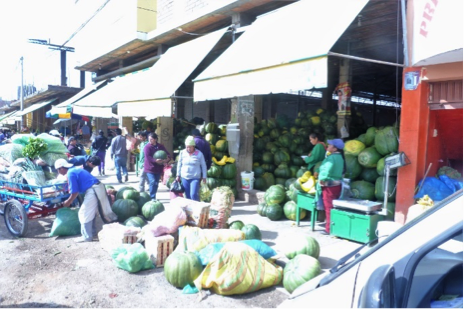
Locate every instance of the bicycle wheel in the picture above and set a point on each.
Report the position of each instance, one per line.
(16, 218)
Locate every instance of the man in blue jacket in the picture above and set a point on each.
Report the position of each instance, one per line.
(203, 146)
(88, 162)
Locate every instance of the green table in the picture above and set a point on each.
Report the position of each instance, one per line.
(308, 202)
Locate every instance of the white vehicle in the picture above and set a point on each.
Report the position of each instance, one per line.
(412, 268)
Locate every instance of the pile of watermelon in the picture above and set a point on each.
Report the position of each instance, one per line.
(365, 165)
(279, 144)
(132, 207)
(280, 203)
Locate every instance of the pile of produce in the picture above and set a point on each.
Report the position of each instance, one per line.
(279, 144)
(365, 165)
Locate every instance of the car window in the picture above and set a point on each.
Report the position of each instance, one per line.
(437, 278)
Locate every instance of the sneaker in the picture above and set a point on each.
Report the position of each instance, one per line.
(126, 178)
(82, 239)
(120, 181)
(103, 173)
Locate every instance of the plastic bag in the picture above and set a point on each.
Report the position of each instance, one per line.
(11, 152)
(176, 187)
(436, 189)
(205, 193)
(132, 257)
(453, 184)
(207, 253)
(220, 275)
(66, 223)
(54, 144)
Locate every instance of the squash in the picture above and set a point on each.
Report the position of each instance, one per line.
(300, 270)
(353, 168)
(369, 157)
(386, 140)
(182, 268)
(353, 147)
(380, 188)
(236, 225)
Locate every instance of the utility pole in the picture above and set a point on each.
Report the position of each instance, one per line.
(62, 49)
(22, 91)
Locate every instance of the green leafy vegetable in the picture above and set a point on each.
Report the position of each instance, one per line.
(34, 147)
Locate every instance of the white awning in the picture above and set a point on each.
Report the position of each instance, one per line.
(32, 108)
(158, 83)
(149, 109)
(62, 108)
(437, 32)
(284, 50)
(8, 118)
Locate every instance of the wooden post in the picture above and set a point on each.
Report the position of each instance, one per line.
(165, 131)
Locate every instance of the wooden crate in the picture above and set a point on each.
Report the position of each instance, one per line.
(197, 212)
(115, 234)
(159, 248)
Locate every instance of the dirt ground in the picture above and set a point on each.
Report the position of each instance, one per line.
(42, 271)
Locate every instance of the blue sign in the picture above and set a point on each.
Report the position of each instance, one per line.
(411, 80)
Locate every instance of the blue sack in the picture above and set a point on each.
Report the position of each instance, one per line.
(436, 189)
(453, 184)
(264, 250)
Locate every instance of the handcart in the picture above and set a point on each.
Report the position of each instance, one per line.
(21, 202)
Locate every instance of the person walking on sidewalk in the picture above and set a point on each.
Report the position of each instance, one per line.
(95, 198)
(203, 146)
(191, 169)
(329, 185)
(142, 136)
(151, 166)
(99, 146)
(119, 155)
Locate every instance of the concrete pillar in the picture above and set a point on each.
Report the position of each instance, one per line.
(259, 108)
(243, 110)
(414, 125)
(127, 123)
(165, 131)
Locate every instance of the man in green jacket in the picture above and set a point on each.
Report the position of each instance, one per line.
(142, 135)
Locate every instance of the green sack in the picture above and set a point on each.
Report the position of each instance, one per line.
(66, 223)
(132, 257)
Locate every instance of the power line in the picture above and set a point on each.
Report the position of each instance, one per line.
(85, 23)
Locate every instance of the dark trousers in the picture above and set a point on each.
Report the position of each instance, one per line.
(328, 195)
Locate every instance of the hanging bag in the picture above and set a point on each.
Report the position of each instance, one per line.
(177, 187)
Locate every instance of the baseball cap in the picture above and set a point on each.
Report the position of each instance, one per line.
(337, 143)
(189, 141)
(62, 163)
(72, 138)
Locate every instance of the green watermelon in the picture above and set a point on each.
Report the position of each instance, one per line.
(251, 232)
(131, 195)
(290, 211)
(380, 188)
(144, 197)
(269, 180)
(370, 136)
(119, 195)
(151, 209)
(261, 209)
(353, 168)
(160, 154)
(381, 167)
(259, 184)
(214, 171)
(274, 195)
(125, 209)
(236, 225)
(135, 222)
(211, 127)
(369, 174)
(386, 140)
(229, 171)
(274, 212)
(302, 244)
(369, 157)
(300, 270)
(182, 268)
(258, 171)
(363, 190)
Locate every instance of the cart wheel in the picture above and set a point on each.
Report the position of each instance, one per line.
(2, 208)
(16, 218)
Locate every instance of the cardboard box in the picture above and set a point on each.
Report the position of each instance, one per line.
(159, 248)
(197, 212)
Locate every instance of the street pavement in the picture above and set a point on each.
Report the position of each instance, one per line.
(274, 233)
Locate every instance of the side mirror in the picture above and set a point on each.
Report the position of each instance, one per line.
(379, 291)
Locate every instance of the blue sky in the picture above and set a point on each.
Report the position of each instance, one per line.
(52, 20)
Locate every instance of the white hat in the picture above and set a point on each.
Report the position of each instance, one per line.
(62, 163)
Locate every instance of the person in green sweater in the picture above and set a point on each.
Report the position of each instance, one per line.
(142, 136)
(317, 154)
(329, 184)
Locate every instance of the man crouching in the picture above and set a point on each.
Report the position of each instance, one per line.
(95, 198)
